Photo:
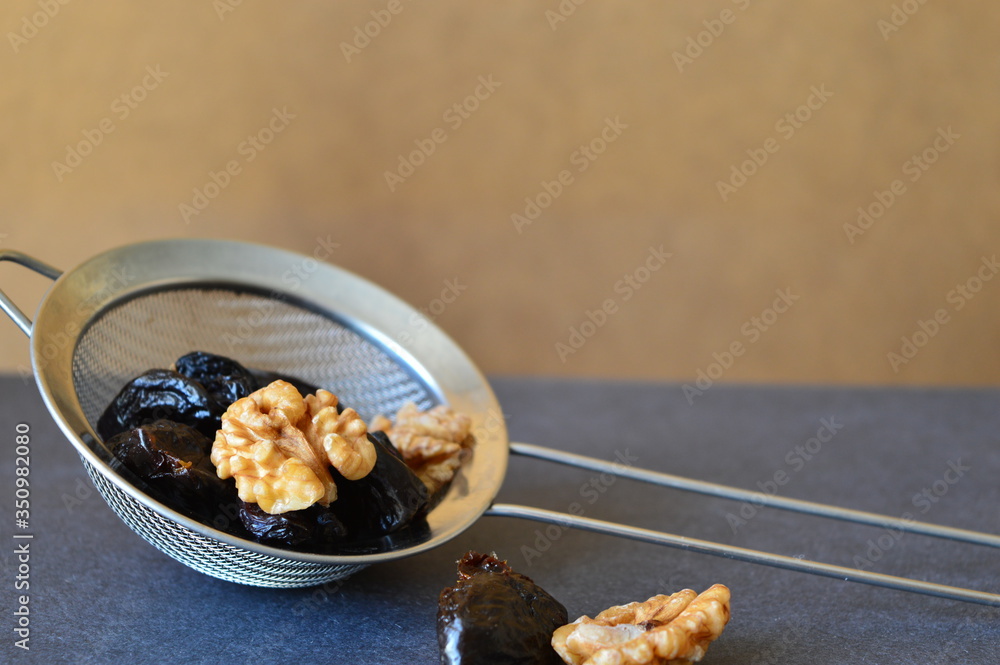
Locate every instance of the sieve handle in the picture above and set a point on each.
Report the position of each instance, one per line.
(566, 520)
(624, 469)
(42, 268)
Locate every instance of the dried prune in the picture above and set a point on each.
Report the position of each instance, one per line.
(160, 394)
(495, 616)
(415, 532)
(173, 460)
(386, 499)
(314, 528)
(225, 379)
(378, 513)
(265, 377)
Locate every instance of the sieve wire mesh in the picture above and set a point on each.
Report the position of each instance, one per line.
(261, 331)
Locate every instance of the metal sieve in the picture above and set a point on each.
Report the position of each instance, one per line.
(142, 306)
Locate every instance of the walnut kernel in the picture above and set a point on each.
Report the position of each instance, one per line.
(664, 630)
(431, 442)
(279, 447)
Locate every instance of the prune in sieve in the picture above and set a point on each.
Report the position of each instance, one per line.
(173, 460)
(495, 616)
(265, 377)
(160, 394)
(314, 528)
(225, 379)
(414, 532)
(386, 499)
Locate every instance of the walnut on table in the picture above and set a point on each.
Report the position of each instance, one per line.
(432, 443)
(664, 630)
(279, 446)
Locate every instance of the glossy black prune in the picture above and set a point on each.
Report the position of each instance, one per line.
(314, 528)
(225, 379)
(160, 394)
(173, 460)
(385, 500)
(495, 616)
(265, 377)
(414, 532)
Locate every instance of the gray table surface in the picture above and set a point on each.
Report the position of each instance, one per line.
(100, 594)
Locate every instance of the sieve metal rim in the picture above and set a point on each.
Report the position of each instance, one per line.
(81, 294)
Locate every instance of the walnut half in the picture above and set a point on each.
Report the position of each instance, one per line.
(280, 446)
(664, 630)
(431, 442)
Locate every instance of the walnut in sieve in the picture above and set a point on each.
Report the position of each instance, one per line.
(431, 442)
(280, 446)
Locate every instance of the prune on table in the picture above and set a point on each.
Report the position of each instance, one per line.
(225, 379)
(173, 460)
(314, 528)
(385, 500)
(495, 616)
(160, 394)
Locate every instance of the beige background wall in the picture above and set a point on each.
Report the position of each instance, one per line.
(879, 98)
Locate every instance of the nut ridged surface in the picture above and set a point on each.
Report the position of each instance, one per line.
(280, 446)
(664, 630)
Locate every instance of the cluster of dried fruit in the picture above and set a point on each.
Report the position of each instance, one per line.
(211, 438)
(495, 616)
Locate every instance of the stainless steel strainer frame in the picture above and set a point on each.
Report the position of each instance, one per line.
(82, 295)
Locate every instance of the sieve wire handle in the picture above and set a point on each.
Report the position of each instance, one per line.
(42, 268)
(624, 469)
(739, 553)
(742, 554)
